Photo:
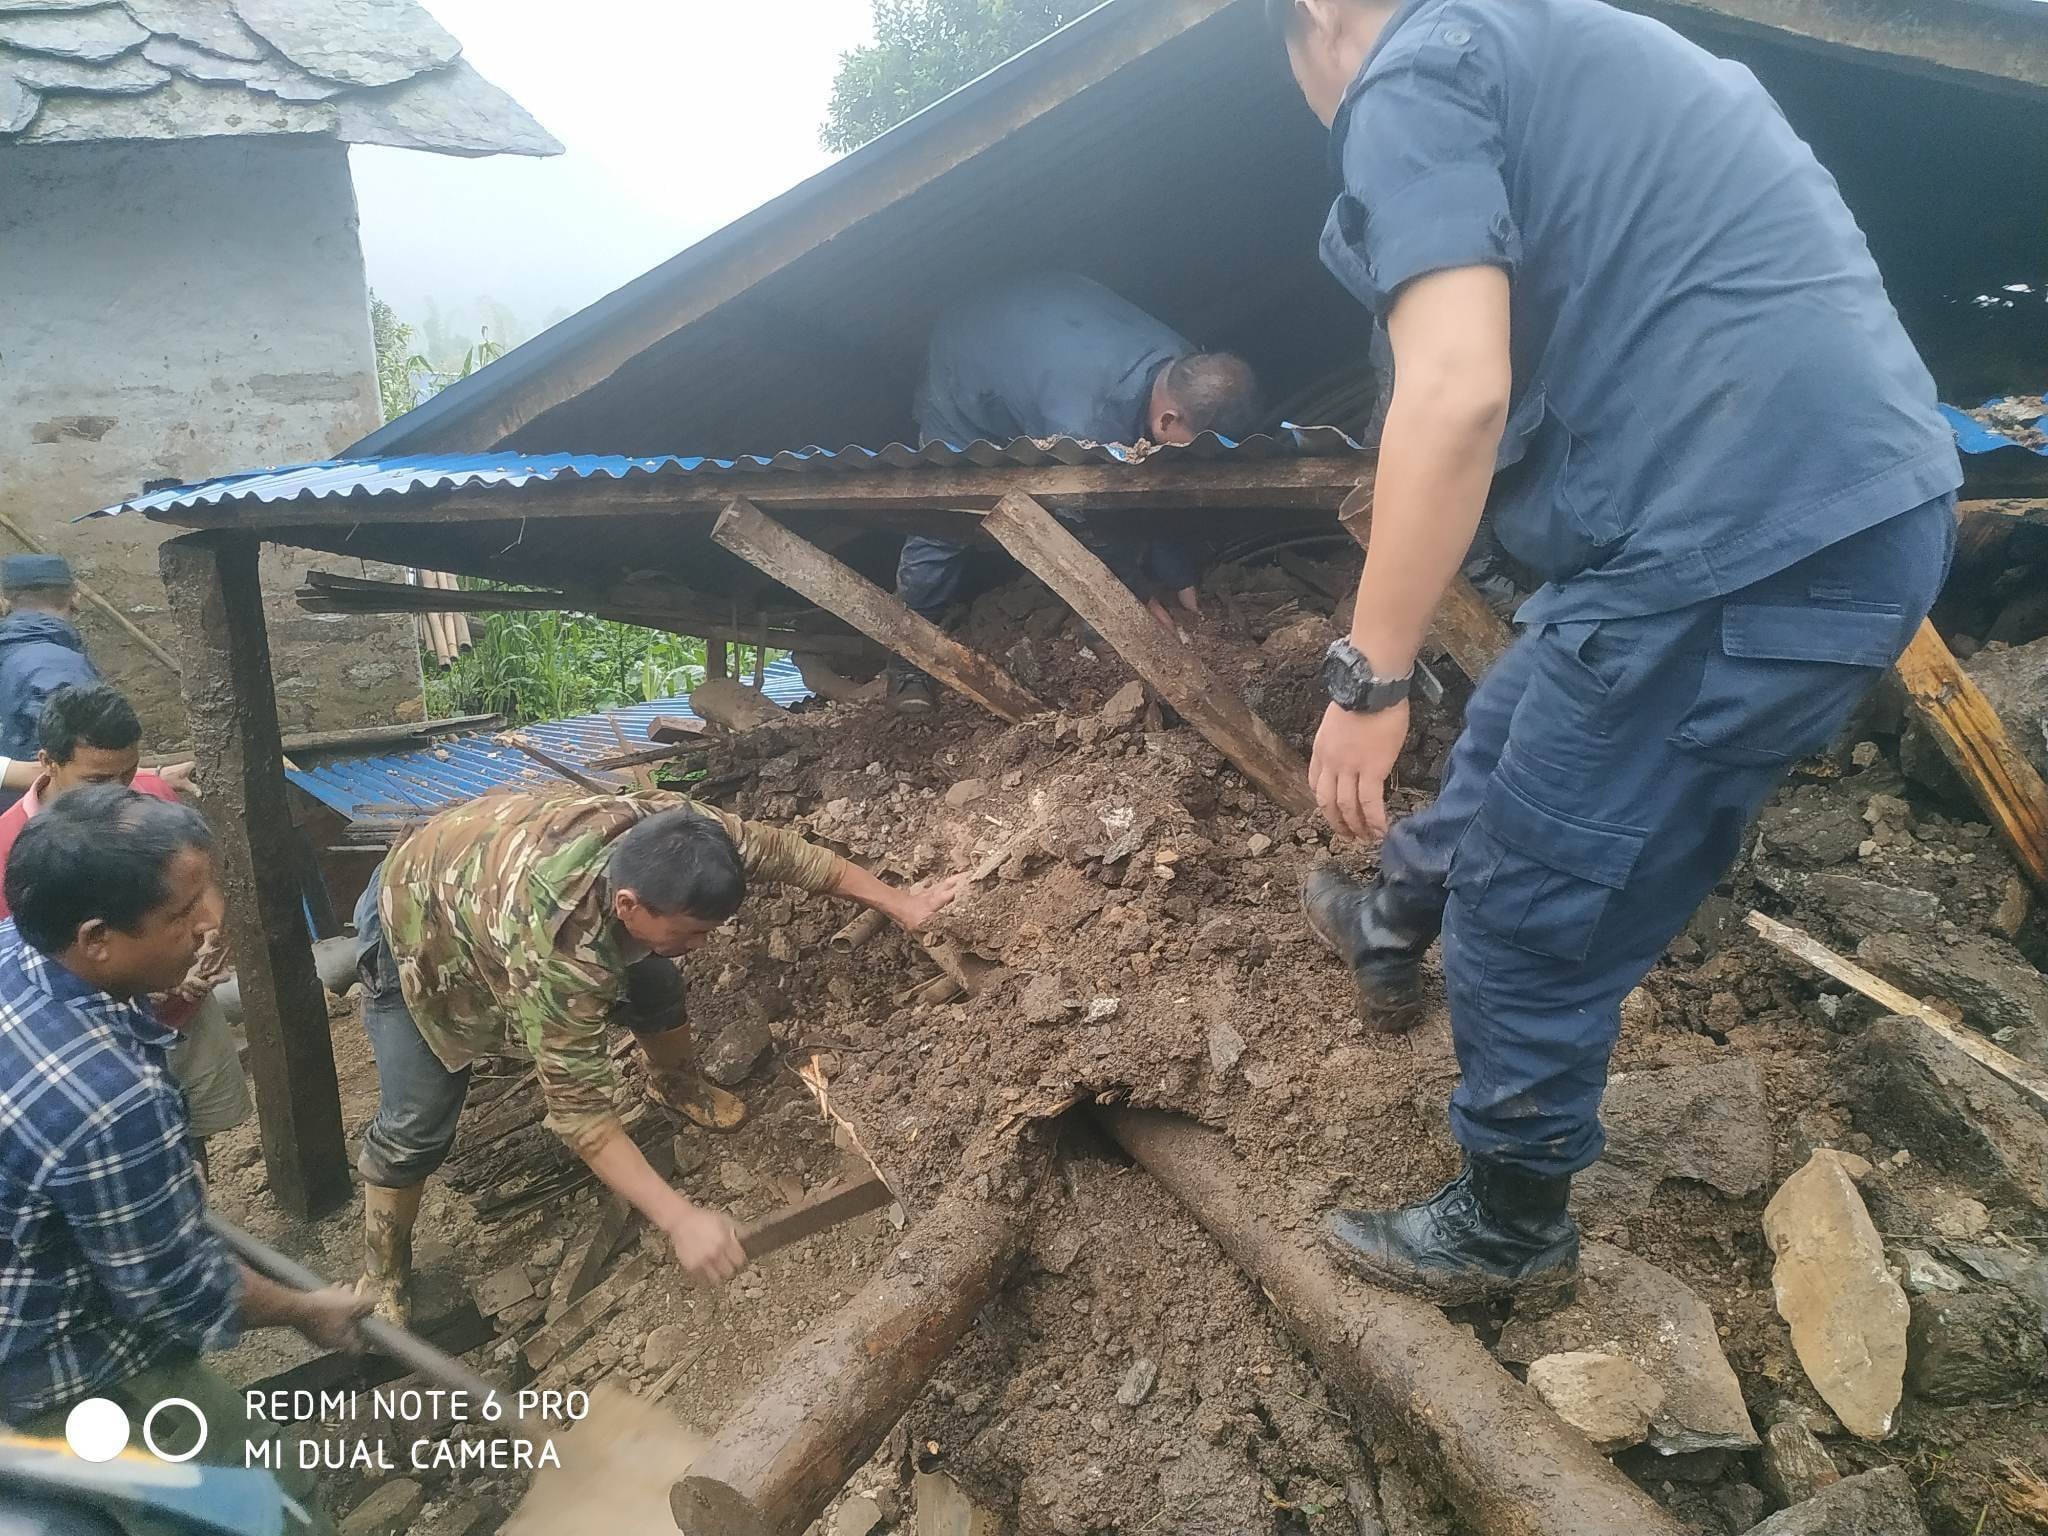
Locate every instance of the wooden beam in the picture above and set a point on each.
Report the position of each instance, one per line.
(1972, 737)
(1474, 635)
(793, 1441)
(216, 601)
(2022, 1075)
(1028, 531)
(822, 1209)
(879, 615)
(1163, 483)
(1508, 1464)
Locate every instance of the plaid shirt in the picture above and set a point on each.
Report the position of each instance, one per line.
(105, 1263)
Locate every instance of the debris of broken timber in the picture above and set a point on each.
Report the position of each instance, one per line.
(846, 594)
(2022, 1075)
(828, 684)
(1052, 554)
(1508, 1464)
(1972, 737)
(792, 1443)
(859, 931)
(1474, 635)
(679, 730)
(556, 766)
(732, 704)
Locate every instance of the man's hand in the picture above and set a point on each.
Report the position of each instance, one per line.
(915, 904)
(327, 1318)
(179, 777)
(707, 1245)
(1348, 772)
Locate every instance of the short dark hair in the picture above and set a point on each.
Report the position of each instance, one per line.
(94, 714)
(680, 861)
(1214, 392)
(103, 852)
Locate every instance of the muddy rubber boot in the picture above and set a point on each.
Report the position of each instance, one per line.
(674, 1082)
(1385, 957)
(910, 691)
(388, 1217)
(1492, 1231)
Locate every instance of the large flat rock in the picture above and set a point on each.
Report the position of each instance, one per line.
(1922, 1093)
(1835, 1291)
(358, 42)
(1875, 1504)
(1633, 1309)
(1706, 1123)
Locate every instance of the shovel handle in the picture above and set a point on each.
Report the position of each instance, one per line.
(408, 1349)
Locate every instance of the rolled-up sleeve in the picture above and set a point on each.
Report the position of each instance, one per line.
(1424, 168)
(129, 1194)
(779, 855)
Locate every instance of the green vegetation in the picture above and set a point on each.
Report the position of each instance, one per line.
(925, 49)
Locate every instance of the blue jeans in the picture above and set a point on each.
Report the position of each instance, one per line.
(1603, 783)
(419, 1100)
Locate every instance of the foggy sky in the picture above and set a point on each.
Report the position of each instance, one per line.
(678, 116)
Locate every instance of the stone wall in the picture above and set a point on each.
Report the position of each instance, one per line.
(172, 311)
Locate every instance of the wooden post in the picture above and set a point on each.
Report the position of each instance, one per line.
(793, 1441)
(1062, 562)
(803, 567)
(1973, 739)
(217, 602)
(1474, 635)
(1508, 1464)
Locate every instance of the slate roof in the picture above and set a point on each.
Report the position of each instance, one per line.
(362, 71)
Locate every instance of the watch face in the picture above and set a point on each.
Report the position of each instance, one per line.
(1340, 682)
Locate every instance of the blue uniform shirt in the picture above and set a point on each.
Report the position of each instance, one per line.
(1709, 381)
(1050, 355)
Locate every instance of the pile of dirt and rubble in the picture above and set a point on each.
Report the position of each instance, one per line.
(1135, 936)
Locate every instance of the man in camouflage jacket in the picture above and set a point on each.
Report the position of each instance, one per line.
(532, 922)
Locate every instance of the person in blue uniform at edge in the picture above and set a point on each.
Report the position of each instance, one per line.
(1054, 354)
(1603, 256)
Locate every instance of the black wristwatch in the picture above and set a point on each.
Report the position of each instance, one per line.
(1348, 678)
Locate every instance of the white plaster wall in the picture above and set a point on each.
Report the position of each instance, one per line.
(172, 311)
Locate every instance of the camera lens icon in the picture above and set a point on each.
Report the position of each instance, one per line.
(97, 1429)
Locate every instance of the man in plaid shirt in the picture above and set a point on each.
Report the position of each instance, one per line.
(111, 1284)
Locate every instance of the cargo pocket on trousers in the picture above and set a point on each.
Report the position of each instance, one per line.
(1537, 879)
(1784, 677)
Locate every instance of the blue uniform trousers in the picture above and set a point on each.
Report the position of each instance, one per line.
(1603, 783)
(928, 571)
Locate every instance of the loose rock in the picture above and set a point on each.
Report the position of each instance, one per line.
(388, 1510)
(737, 1050)
(1987, 978)
(1042, 1001)
(1609, 1400)
(1796, 1466)
(1962, 1217)
(1706, 1123)
(1139, 1381)
(1833, 1288)
(1980, 1347)
(1631, 1308)
(1124, 707)
(1226, 1046)
(1926, 1275)
(1956, 1113)
(857, 1516)
(965, 793)
(1877, 1503)
(664, 1347)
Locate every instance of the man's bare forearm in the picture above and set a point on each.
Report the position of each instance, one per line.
(623, 1169)
(1434, 470)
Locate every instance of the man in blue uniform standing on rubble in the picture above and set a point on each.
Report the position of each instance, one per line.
(1055, 354)
(1604, 255)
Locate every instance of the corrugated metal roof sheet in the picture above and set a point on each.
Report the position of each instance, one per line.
(1972, 436)
(396, 788)
(332, 478)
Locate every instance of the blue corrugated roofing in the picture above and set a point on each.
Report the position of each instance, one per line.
(1972, 436)
(436, 471)
(400, 787)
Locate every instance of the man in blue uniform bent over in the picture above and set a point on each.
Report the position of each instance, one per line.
(1602, 256)
(1055, 354)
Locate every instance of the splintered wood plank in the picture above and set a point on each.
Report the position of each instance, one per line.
(1973, 739)
(1474, 635)
(804, 568)
(1032, 534)
(2022, 1075)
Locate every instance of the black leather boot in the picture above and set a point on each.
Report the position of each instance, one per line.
(1357, 920)
(1492, 1231)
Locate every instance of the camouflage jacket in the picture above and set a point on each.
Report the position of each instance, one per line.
(498, 915)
